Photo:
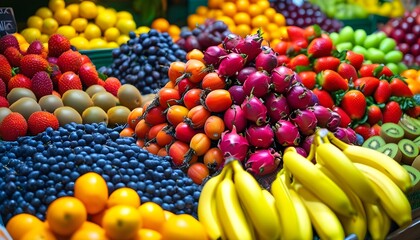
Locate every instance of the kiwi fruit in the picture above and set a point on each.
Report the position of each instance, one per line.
(77, 99)
(4, 111)
(50, 102)
(411, 129)
(25, 106)
(414, 176)
(392, 150)
(391, 132)
(416, 163)
(374, 142)
(117, 115)
(129, 96)
(18, 93)
(104, 100)
(417, 141)
(67, 115)
(409, 150)
(147, 98)
(94, 89)
(94, 114)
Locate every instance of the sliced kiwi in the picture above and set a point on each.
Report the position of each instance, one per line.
(416, 163)
(391, 132)
(414, 176)
(409, 150)
(374, 142)
(392, 150)
(411, 129)
(417, 141)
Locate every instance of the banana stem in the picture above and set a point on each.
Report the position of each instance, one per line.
(340, 144)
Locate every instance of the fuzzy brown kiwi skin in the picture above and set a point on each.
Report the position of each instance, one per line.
(411, 129)
(416, 163)
(408, 157)
(397, 156)
(391, 132)
(374, 142)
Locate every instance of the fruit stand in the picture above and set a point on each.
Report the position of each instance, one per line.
(217, 119)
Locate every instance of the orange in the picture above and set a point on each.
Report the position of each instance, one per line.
(263, 4)
(279, 19)
(74, 9)
(174, 31)
(152, 215)
(242, 18)
(21, 223)
(38, 233)
(148, 234)
(259, 21)
(195, 54)
(183, 226)
(89, 233)
(227, 20)
(122, 222)
(89, 226)
(229, 9)
(243, 30)
(63, 16)
(242, 5)
(194, 20)
(65, 215)
(124, 196)
(215, 3)
(409, 73)
(160, 24)
(91, 189)
(202, 10)
(254, 10)
(97, 218)
(270, 13)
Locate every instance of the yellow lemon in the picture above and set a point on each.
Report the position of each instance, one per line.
(44, 12)
(80, 43)
(111, 10)
(44, 38)
(79, 24)
(97, 43)
(106, 19)
(92, 31)
(24, 46)
(123, 39)
(100, 8)
(34, 22)
(88, 10)
(49, 26)
(31, 34)
(124, 15)
(142, 29)
(74, 9)
(111, 34)
(54, 5)
(126, 25)
(112, 45)
(45, 45)
(63, 16)
(21, 39)
(67, 31)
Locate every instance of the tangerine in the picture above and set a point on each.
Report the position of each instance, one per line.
(92, 190)
(183, 226)
(121, 222)
(152, 215)
(22, 223)
(124, 196)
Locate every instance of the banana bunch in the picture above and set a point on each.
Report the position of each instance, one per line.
(233, 205)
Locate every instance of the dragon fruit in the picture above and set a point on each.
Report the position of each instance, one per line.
(322, 114)
(235, 116)
(213, 55)
(277, 107)
(263, 162)
(230, 64)
(305, 120)
(260, 136)
(286, 133)
(250, 45)
(266, 60)
(298, 96)
(233, 145)
(281, 78)
(257, 83)
(255, 110)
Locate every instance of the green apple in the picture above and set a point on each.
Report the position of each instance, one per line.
(387, 45)
(360, 49)
(344, 46)
(359, 36)
(394, 56)
(381, 35)
(372, 41)
(334, 38)
(393, 67)
(346, 34)
(375, 55)
(402, 66)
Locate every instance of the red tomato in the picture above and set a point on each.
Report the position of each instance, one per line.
(184, 132)
(176, 114)
(168, 97)
(213, 81)
(218, 100)
(155, 115)
(141, 130)
(177, 151)
(198, 172)
(195, 70)
(197, 116)
(214, 127)
(213, 158)
(184, 85)
(154, 130)
(176, 69)
(164, 137)
(200, 144)
(192, 97)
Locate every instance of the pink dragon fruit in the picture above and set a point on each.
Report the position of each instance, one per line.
(260, 136)
(233, 145)
(286, 133)
(263, 162)
(305, 120)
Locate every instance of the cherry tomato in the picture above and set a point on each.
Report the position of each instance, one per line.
(154, 130)
(141, 130)
(134, 117)
(198, 172)
(127, 132)
(213, 81)
(213, 158)
(140, 142)
(176, 69)
(192, 97)
(184, 85)
(197, 116)
(218, 100)
(195, 54)
(195, 70)
(214, 127)
(164, 137)
(162, 152)
(200, 144)
(152, 148)
(169, 84)
(176, 114)
(184, 132)
(168, 97)
(177, 152)
(155, 115)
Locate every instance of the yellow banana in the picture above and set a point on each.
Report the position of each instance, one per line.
(251, 197)
(378, 222)
(305, 224)
(338, 163)
(323, 218)
(229, 210)
(375, 159)
(206, 209)
(272, 203)
(317, 182)
(392, 199)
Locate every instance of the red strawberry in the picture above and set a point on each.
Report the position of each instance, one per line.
(299, 44)
(3, 90)
(382, 92)
(67, 81)
(392, 112)
(35, 47)
(5, 69)
(308, 79)
(414, 111)
(295, 33)
(88, 74)
(363, 130)
(345, 119)
(112, 85)
(331, 81)
(55, 75)
(69, 61)
(13, 55)
(41, 84)
(324, 63)
(19, 81)
(375, 130)
(33, 63)
(374, 114)
(354, 104)
(374, 70)
(299, 60)
(283, 60)
(320, 47)
(324, 98)
(355, 59)
(282, 47)
(399, 88)
(347, 71)
(85, 59)
(57, 44)
(3, 103)
(367, 85)
(8, 41)
(41, 120)
(14, 125)
(101, 82)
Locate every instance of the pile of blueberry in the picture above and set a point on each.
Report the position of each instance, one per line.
(36, 170)
(144, 60)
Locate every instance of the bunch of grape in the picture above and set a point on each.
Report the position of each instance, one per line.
(305, 15)
(144, 60)
(34, 171)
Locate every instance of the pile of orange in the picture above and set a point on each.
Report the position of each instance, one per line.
(243, 17)
(93, 214)
(412, 78)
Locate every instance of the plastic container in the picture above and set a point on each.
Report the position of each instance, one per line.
(99, 57)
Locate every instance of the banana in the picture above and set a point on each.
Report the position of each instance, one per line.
(272, 203)
(229, 210)
(206, 209)
(324, 220)
(375, 159)
(250, 195)
(392, 199)
(317, 182)
(288, 212)
(305, 224)
(337, 163)
(378, 222)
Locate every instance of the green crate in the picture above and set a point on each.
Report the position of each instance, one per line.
(100, 57)
(368, 24)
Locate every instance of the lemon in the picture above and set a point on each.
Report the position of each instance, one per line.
(100, 8)
(45, 45)
(92, 31)
(79, 24)
(49, 26)
(21, 39)
(74, 9)
(24, 46)
(142, 29)
(31, 34)
(126, 25)
(112, 45)
(111, 34)
(111, 10)
(44, 38)
(123, 39)
(97, 43)
(54, 5)
(106, 19)
(67, 31)
(80, 43)
(124, 15)
(44, 12)
(34, 22)
(63, 16)
(88, 10)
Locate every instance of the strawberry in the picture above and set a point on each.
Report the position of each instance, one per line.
(392, 112)
(300, 60)
(8, 41)
(355, 59)
(375, 130)
(5, 69)
(299, 44)
(374, 114)
(363, 130)
(282, 47)
(41, 120)
(112, 85)
(324, 98)
(55, 75)
(69, 61)
(414, 111)
(312, 31)
(57, 44)
(324, 63)
(344, 117)
(308, 78)
(3, 90)
(3, 103)
(14, 125)
(367, 85)
(295, 33)
(374, 70)
(283, 60)
(85, 59)
(347, 71)
(101, 82)
(67, 81)
(399, 88)
(88, 74)
(33, 63)
(320, 47)
(41, 84)
(13, 55)
(19, 81)
(331, 81)
(382, 92)
(354, 104)
(35, 47)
